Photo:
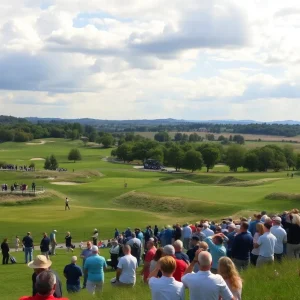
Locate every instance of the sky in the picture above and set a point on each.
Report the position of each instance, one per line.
(136, 59)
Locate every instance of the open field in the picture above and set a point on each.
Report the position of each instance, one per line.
(99, 200)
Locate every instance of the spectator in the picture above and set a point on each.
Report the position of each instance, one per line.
(187, 234)
(231, 276)
(255, 252)
(128, 233)
(217, 250)
(292, 225)
(199, 233)
(203, 284)
(181, 265)
(17, 244)
(136, 247)
(149, 256)
(116, 233)
(179, 254)
(156, 258)
(84, 255)
(177, 232)
(126, 272)
(168, 235)
(53, 241)
(68, 239)
(46, 283)
(195, 246)
(139, 235)
(155, 230)
(95, 237)
(266, 244)
(73, 273)
(40, 264)
(45, 245)
(241, 247)
(264, 216)
(5, 252)
(252, 225)
(230, 235)
(207, 231)
(94, 267)
(28, 247)
(166, 287)
(281, 237)
(114, 254)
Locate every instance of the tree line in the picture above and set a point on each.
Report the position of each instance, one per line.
(194, 157)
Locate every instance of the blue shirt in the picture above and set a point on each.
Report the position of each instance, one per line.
(242, 246)
(216, 251)
(95, 265)
(252, 226)
(230, 237)
(73, 274)
(86, 253)
(28, 241)
(45, 242)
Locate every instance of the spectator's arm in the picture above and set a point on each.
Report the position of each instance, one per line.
(257, 243)
(190, 267)
(118, 274)
(155, 271)
(225, 292)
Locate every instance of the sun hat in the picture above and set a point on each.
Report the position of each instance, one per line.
(54, 230)
(74, 259)
(40, 262)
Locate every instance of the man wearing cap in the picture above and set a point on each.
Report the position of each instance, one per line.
(94, 267)
(252, 225)
(73, 273)
(216, 249)
(40, 264)
(206, 230)
(46, 283)
(281, 237)
(84, 255)
(181, 265)
(241, 248)
(53, 241)
(28, 247)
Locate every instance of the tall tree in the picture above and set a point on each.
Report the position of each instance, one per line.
(211, 154)
(74, 155)
(162, 136)
(251, 161)
(235, 156)
(193, 160)
(175, 156)
(291, 157)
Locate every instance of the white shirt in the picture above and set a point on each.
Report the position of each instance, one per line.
(186, 232)
(134, 240)
(208, 232)
(255, 251)
(266, 244)
(281, 237)
(128, 264)
(204, 285)
(166, 288)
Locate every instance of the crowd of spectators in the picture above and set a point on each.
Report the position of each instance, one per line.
(204, 257)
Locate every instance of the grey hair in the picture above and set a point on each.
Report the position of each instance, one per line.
(178, 244)
(45, 282)
(204, 259)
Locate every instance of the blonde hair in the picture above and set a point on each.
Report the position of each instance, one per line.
(296, 219)
(167, 264)
(203, 245)
(260, 228)
(228, 271)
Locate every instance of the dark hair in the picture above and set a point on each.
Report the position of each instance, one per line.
(158, 254)
(219, 239)
(268, 225)
(245, 225)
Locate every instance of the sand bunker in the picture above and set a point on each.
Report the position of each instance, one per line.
(66, 183)
(38, 143)
(180, 181)
(37, 158)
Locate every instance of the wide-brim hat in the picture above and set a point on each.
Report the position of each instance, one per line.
(40, 262)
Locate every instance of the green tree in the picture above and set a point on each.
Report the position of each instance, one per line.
(107, 140)
(251, 161)
(211, 154)
(265, 158)
(210, 137)
(156, 153)
(47, 164)
(178, 137)
(53, 162)
(235, 156)
(124, 152)
(298, 162)
(85, 140)
(193, 160)
(162, 136)
(239, 139)
(194, 137)
(74, 155)
(290, 156)
(175, 156)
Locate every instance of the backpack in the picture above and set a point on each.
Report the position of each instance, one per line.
(13, 260)
(135, 250)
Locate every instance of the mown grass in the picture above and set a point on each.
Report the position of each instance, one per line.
(279, 281)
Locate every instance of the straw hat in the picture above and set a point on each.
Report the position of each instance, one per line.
(40, 262)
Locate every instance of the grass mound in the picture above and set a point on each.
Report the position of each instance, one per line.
(283, 196)
(249, 183)
(228, 180)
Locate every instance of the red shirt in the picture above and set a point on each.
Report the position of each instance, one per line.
(40, 297)
(193, 228)
(181, 266)
(149, 256)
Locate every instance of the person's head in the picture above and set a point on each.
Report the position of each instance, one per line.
(218, 229)
(158, 254)
(203, 246)
(199, 227)
(28, 233)
(277, 221)
(45, 234)
(5, 240)
(150, 244)
(260, 228)
(205, 261)
(267, 227)
(167, 265)
(74, 260)
(263, 213)
(244, 227)
(195, 240)
(258, 217)
(95, 250)
(295, 218)
(218, 240)
(17, 237)
(68, 233)
(169, 250)
(126, 249)
(89, 244)
(40, 264)
(205, 225)
(45, 283)
(133, 235)
(54, 230)
(228, 271)
(231, 227)
(178, 245)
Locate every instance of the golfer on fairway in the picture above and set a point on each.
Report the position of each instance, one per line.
(67, 204)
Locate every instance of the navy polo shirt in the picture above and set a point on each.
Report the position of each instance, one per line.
(73, 274)
(28, 241)
(242, 246)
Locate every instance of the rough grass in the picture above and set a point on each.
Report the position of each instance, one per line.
(228, 180)
(248, 183)
(283, 196)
